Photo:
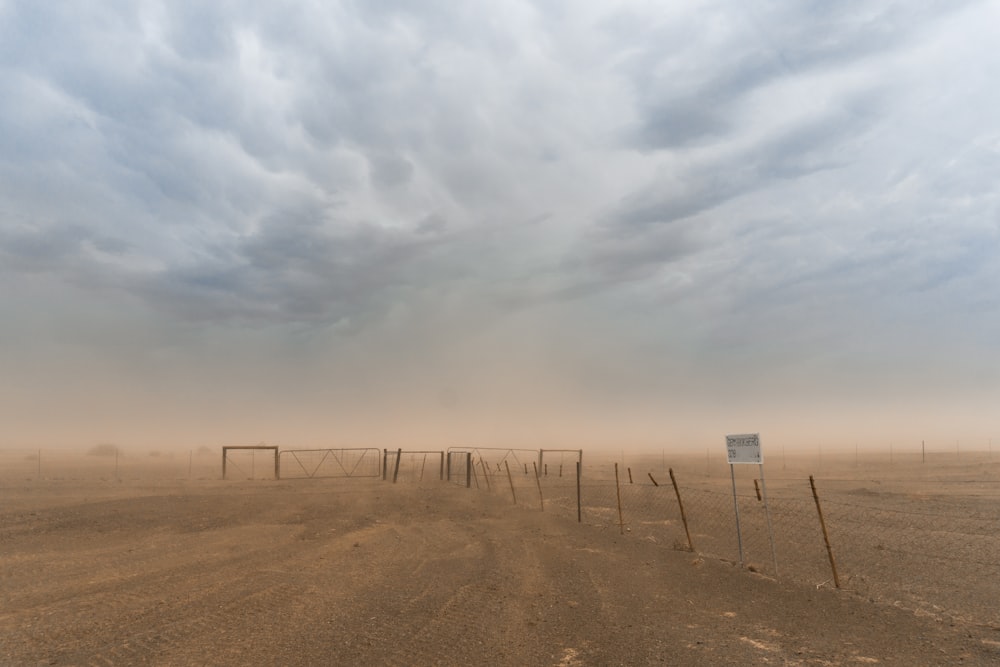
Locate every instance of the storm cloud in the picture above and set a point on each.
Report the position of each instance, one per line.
(534, 208)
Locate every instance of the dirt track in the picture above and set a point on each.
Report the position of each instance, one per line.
(328, 572)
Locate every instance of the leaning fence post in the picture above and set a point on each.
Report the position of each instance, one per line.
(511, 480)
(618, 491)
(486, 476)
(395, 472)
(826, 537)
(652, 478)
(680, 503)
(538, 481)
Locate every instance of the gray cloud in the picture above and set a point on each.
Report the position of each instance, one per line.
(638, 197)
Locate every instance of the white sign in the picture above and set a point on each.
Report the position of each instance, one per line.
(744, 448)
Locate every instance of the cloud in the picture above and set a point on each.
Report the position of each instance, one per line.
(607, 202)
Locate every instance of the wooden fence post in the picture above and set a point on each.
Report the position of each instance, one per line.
(579, 501)
(680, 503)
(486, 475)
(826, 537)
(511, 480)
(538, 481)
(618, 491)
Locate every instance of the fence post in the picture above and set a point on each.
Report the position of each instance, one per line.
(441, 473)
(395, 472)
(652, 478)
(224, 452)
(538, 481)
(680, 503)
(511, 480)
(468, 470)
(385, 463)
(579, 503)
(618, 491)
(629, 474)
(486, 476)
(826, 537)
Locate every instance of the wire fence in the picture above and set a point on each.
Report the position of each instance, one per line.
(111, 463)
(927, 538)
(413, 467)
(930, 550)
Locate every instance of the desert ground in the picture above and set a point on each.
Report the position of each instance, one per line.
(203, 571)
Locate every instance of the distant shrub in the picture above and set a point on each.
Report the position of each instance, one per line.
(104, 449)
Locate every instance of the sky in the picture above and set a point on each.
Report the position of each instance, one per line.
(559, 223)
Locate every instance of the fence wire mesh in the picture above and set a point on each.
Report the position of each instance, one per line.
(324, 463)
(932, 552)
(928, 542)
(414, 467)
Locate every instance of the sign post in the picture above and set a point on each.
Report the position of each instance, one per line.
(745, 449)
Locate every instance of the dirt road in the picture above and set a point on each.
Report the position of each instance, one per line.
(366, 573)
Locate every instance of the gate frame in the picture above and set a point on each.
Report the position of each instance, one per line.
(328, 450)
(277, 459)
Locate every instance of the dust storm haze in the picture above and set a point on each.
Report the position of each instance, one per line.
(556, 225)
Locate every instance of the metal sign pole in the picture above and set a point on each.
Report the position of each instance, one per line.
(743, 449)
(767, 513)
(736, 507)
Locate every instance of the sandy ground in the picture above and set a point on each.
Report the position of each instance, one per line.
(361, 572)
